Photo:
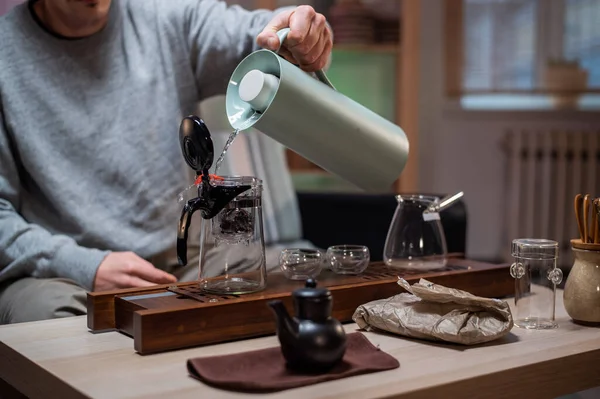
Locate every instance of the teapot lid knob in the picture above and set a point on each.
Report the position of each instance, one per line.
(311, 283)
(310, 291)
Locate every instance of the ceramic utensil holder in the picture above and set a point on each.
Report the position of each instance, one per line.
(582, 289)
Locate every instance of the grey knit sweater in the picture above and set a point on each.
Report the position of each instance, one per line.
(89, 153)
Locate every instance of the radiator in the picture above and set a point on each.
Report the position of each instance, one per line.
(544, 172)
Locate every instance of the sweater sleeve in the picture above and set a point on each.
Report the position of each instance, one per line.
(27, 249)
(219, 38)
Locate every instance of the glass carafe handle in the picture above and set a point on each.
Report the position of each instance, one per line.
(184, 223)
(555, 276)
(517, 270)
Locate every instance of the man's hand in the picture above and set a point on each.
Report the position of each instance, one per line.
(126, 270)
(309, 41)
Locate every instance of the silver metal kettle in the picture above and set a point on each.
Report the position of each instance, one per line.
(310, 117)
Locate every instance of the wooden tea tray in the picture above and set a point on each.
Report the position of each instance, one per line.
(159, 318)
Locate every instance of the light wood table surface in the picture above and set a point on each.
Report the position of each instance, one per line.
(61, 359)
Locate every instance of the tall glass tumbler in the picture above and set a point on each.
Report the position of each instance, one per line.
(535, 265)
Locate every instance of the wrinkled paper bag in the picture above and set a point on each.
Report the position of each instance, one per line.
(434, 312)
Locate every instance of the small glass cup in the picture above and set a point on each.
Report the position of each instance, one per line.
(348, 259)
(301, 263)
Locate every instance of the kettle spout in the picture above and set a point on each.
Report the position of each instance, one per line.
(286, 326)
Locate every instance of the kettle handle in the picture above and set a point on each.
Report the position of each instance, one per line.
(282, 35)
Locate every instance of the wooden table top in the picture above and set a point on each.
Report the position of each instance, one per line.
(57, 358)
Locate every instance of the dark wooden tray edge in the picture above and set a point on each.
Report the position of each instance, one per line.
(155, 330)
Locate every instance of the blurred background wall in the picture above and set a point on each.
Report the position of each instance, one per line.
(500, 99)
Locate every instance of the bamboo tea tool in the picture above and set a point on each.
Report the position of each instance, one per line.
(588, 228)
(586, 217)
(579, 217)
(168, 317)
(596, 220)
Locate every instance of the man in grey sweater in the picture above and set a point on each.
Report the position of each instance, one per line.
(91, 95)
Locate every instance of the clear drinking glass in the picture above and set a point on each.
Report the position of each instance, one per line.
(415, 239)
(535, 264)
(300, 263)
(232, 249)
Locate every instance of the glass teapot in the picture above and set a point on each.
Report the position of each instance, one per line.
(416, 238)
(232, 249)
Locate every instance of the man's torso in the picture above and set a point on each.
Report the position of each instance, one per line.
(94, 127)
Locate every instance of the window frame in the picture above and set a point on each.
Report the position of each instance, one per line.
(549, 44)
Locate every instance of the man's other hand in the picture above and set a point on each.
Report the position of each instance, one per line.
(127, 270)
(309, 41)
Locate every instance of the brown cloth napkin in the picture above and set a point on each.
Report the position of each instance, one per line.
(265, 370)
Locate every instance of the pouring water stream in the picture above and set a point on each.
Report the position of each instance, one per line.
(183, 195)
(230, 140)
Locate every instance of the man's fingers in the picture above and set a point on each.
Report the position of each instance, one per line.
(268, 37)
(308, 43)
(315, 35)
(316, 51)
(300, 22)
(321, 61)
(129, 281)
(146, 271)
(287, 54)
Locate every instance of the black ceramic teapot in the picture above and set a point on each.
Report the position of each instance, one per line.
(311, 341)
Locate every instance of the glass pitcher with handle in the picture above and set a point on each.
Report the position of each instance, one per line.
(232, 249)
(416, 238)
